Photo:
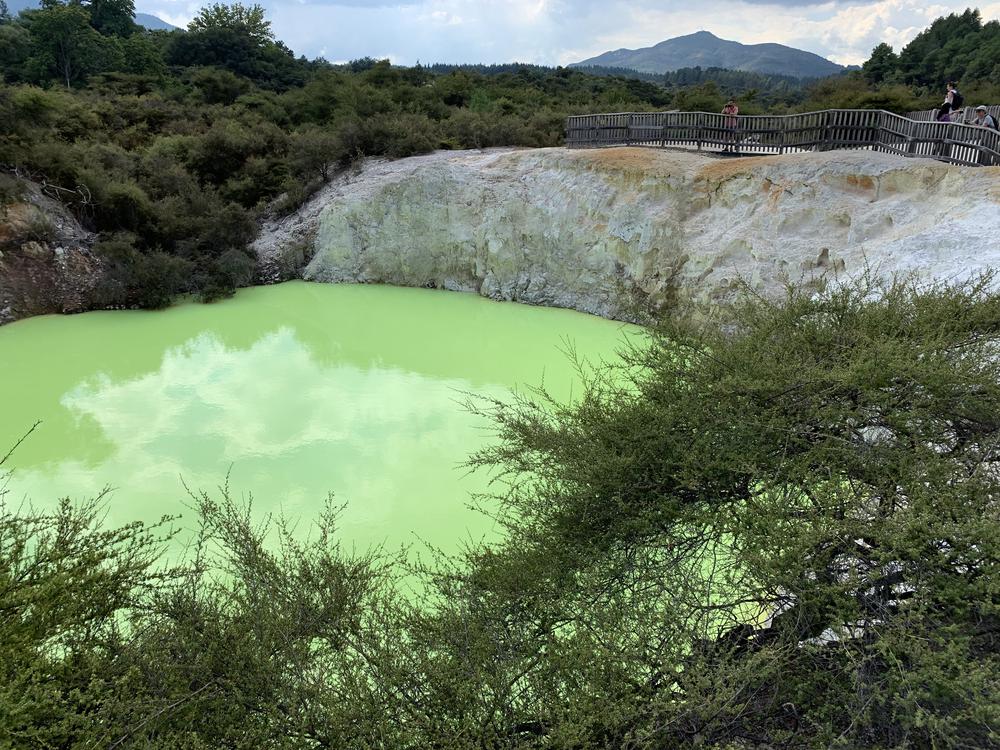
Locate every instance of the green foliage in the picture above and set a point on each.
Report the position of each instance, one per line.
(219, 86)
(244, 19)
(881, 66)
(781, 535)
(113, 17)
(64, 579)
(957, 47)
(705, 97)
(137, 279)
(11, 189)
(313, 152)
(270, 65)
(66, 46)
(852, 91)
(15, 46)
(804, 505)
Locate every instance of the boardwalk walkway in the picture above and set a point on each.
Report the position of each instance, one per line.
(874, 130)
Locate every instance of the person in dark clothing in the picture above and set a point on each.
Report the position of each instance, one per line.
(955, 101)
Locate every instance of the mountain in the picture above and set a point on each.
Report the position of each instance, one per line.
(704, 49)
(153, 23)
(143, 19)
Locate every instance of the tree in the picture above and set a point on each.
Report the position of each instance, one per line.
(65, 44)
(314, 151)
(783, 528)
(881, 65)
(15, 47)
(705, 97)
(113, 17)
(249, 20)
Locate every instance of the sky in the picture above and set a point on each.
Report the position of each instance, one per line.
(559, 32)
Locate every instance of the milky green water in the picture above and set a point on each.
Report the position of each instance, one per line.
(296, 390)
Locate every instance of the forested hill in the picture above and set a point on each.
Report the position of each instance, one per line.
(729, 80)
(707, 50)
(957, 47)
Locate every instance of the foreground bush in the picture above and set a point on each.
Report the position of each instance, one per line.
(783, 535)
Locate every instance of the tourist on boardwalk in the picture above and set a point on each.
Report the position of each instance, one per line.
(955, 101)
(943, 115)
(983, 119)
(731, 111)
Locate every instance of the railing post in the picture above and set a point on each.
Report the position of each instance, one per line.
(698, 132)
(628, 129)
(784, 126)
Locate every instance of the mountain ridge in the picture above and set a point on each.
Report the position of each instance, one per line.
(705, 49)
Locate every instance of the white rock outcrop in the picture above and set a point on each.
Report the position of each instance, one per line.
(600, 230)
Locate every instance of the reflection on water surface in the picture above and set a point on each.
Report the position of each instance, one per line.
(297, 390)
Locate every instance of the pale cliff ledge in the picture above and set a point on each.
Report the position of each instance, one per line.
(603, 230)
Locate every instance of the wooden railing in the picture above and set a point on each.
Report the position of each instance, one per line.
(964, 115)
(873, 130)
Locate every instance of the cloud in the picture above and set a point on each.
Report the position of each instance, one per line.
(554, 32)
(388, 441)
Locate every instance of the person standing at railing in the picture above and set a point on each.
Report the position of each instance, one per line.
(731, 111)
(983, 119)
(955, 102)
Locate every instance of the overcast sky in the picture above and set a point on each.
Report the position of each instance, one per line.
(557, 32)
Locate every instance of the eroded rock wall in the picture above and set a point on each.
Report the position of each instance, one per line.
(45, 261)
(604, 230)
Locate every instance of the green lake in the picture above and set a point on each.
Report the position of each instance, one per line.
(296, 390)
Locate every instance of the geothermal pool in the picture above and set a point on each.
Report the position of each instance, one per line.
(296, 390)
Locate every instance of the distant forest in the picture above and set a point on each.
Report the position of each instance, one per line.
(172, 144)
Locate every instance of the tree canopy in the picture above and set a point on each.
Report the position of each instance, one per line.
(956, 47)
(246, 19)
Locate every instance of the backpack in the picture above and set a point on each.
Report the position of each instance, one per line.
(957, 100)
(994, 121)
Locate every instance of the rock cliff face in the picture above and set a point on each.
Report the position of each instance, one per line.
(45, 262)
(604, 230)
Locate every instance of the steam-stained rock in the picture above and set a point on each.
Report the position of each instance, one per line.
(603, 230)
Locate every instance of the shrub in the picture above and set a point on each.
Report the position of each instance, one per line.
(218, 86)
(125, 206)
(314, 152)
(400, 136)
(136, 279)
(11, 189)
(230, 271)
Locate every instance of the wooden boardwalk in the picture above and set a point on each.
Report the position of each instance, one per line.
(866, 129)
